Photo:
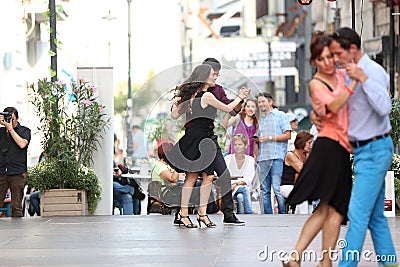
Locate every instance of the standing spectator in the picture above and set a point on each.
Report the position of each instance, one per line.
(273, 132)
(369, 124)
(119, 157)
(14, 141)
(140, 144)
(116, 144)
(245, 123)
(294, 124)
(326, 175)
(242, 167)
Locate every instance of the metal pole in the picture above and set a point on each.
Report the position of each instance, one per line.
(53, 47)
(353, 14)
(269, 68)
(109, 18)
(391, 51)
(129, 143)
(336, 19)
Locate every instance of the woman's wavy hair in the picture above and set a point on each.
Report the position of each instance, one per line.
(196, 81)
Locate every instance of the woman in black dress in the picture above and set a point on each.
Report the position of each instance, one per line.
(194, 153)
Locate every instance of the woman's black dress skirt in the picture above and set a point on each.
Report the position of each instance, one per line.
(326, 175)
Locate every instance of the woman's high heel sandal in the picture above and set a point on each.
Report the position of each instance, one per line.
(202, 219)
(189, 225)
(287, 261)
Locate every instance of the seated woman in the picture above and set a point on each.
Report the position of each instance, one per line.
(292, 166)
(165, 174)
(242, 167)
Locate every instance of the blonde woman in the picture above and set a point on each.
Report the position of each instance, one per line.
(241, 166)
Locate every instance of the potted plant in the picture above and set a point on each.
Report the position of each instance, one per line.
(71, 123)
(395, 134)
(395, 121)
(395, 167)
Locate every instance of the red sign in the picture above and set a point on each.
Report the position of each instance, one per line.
(388, 205)
(304, 2)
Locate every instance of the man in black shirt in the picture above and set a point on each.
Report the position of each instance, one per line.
(14, 141)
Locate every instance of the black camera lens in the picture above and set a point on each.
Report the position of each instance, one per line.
(7, 116)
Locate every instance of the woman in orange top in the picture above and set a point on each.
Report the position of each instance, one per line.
(326, 174)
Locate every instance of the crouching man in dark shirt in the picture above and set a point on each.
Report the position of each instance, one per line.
(14, 141)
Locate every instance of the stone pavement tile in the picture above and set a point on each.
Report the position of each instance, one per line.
(154, 241)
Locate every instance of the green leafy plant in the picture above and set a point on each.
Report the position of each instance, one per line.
(87, 123)
(395, 121)
(71, 124)
(395, 166)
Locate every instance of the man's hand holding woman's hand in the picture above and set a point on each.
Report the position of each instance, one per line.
(356, 72)
(316, 120)
(244, 92)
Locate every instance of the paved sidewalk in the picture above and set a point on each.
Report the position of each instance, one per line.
(154, 241)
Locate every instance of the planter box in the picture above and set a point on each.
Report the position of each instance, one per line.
(63, 202)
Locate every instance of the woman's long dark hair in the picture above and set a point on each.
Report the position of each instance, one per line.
(196, 81)
(256, 114)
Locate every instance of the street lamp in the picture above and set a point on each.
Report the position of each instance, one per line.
(53, 46)
(268, 35)
(129, 143)
(336, 19)
(109, 18)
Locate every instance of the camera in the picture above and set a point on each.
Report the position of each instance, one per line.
(7, 116)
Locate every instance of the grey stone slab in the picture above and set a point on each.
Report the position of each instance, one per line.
(154, 241)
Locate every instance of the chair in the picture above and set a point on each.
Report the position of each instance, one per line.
(7, 207)
(157, 203)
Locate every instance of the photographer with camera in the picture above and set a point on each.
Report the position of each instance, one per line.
(14, 141)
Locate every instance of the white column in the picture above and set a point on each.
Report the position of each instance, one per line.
(249, 28)
(102, 79)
